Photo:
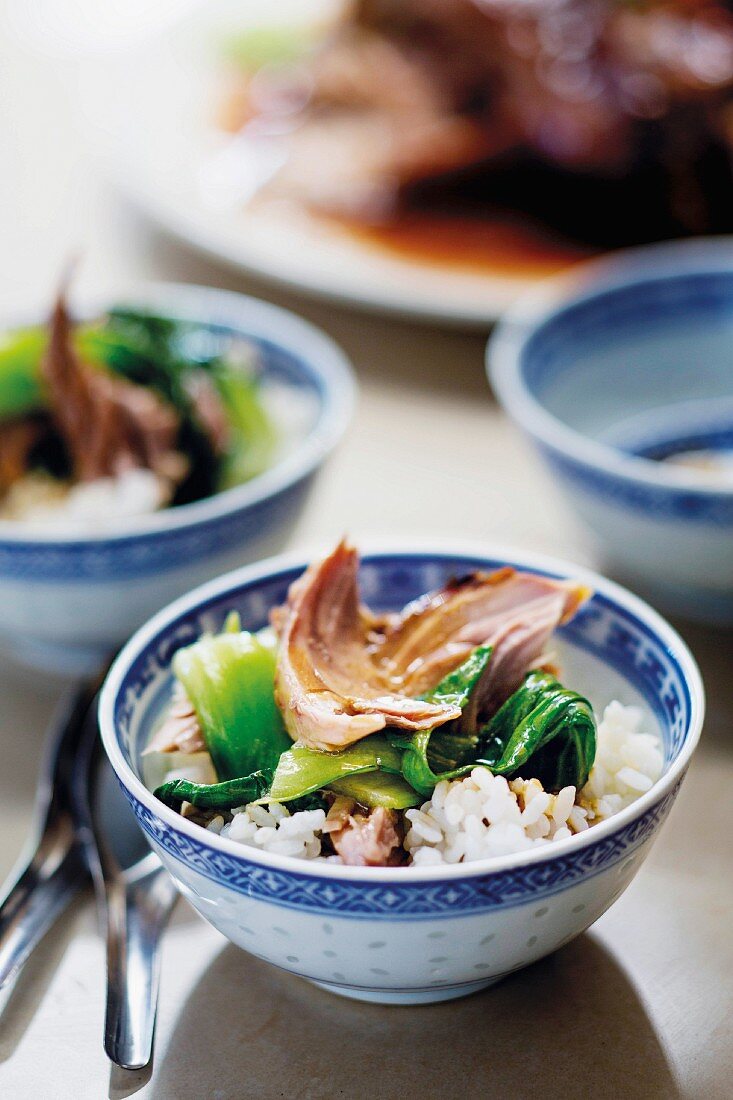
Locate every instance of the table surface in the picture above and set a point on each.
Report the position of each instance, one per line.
(640, 1006)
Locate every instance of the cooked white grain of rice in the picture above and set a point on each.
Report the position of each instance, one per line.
(482, 815)
(40, 500)
(274, 829)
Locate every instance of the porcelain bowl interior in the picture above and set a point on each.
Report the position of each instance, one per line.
(409, 935)
(611, 372)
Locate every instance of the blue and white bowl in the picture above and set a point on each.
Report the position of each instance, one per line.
(422, 934)
(66, 599)
(624, 361)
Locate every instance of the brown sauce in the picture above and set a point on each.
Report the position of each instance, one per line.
(468, 240)
(472, 243)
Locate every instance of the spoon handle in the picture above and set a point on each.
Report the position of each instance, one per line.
(56, 871)
(34, 902)
(137, 914)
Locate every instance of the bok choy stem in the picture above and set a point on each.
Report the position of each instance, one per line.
(301, 770)
(20, 358)
(229, 678)
(377, 789)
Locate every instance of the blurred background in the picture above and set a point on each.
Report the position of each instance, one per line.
(63, 196)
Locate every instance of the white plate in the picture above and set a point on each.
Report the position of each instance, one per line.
(168, 155)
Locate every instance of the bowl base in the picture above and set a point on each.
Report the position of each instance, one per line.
(407, 996)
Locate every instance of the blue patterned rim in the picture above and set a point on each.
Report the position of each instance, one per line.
(633, 292)
(614, 626)
(291, 351)
(715, 439)
(469, 892)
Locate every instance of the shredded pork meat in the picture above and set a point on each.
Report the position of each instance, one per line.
(344, 673)
(328, 684)
(17, 439)
(180, 730)
(371, 839)
(108, 425)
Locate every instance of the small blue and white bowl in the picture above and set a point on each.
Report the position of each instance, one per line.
(417, 934)
(625, 361)
(67, 599)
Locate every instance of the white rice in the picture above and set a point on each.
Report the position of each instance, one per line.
(38, 499)
(482, 815)
(274, 829)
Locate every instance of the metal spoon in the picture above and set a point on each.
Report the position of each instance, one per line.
(84, 823)
(56, 870)
(138, 896)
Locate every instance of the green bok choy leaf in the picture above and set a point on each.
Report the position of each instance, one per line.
(443, 753)
(230, 794)
(229, 678)
(20, 358)
(214, 796)
(543, 731)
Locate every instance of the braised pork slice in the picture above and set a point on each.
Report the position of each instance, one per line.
(368, 840)
(180, 731)
(329, 683)
(109, 425)
(422, 104)
(17, 439)
(515, 613)
(343, 673)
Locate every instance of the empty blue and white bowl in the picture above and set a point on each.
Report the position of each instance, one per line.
(627, 361)
(66, 600)
(417, 934)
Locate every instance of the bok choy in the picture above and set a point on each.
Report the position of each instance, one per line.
(301, 770)
(20, 387)
(229, 678)
(446, 752)
(214, 796)
(378, 789)
(546, 724)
